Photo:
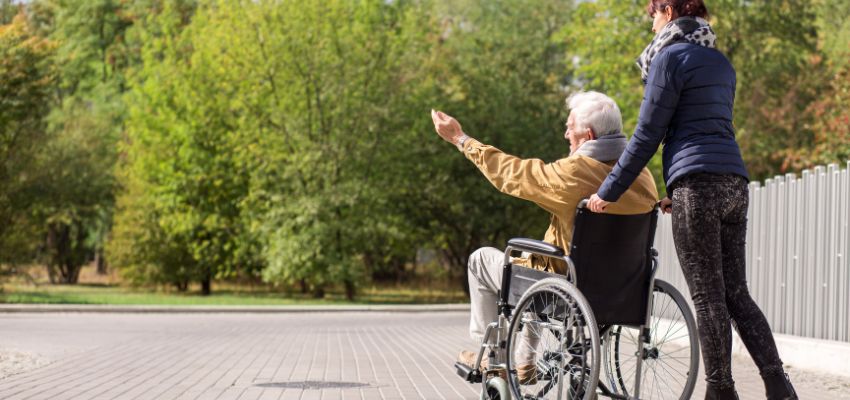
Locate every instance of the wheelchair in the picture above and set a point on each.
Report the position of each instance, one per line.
(607, 316)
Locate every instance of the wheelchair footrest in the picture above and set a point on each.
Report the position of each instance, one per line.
(467, 373)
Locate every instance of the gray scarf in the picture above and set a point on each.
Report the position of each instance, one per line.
(604, 148)
(693, 30)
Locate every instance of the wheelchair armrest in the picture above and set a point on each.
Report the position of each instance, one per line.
(535, 246)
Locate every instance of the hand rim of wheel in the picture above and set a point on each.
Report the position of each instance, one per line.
(566, 290)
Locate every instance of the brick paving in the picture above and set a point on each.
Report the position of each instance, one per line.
(322, 356)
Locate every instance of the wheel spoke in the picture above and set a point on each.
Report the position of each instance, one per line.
(669, 369)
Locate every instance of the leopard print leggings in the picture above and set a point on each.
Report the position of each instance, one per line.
(709, 230)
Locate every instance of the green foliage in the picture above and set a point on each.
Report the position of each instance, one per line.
(604, 39)
(8, 11)
(771, 45)
(228, 295)
(783, 52)
(323, 86)
(180, 160)
(499, 69)
(301, 129)
(77, 160)
(26, 79)
(290, 141)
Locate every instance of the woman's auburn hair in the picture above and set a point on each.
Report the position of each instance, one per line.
(681, 8)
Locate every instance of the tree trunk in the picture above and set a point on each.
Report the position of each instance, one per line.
(459, 258)
(52, 238)
(206, 285)
(465, 282)
(100, 262)
(304, 287)
(350, 290)
(74, 273)
(319, 292)
(65, 254)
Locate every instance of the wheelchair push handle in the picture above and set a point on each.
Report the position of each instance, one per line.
(583, 204)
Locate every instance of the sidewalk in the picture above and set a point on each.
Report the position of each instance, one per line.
(286, 355)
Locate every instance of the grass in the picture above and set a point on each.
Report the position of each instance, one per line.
(98, 289)
(120, 295)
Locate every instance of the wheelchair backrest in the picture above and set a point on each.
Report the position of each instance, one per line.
(613, 260)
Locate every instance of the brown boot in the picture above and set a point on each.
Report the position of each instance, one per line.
(468, 358)
(527, 374)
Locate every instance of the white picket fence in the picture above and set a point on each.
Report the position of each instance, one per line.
(797, 252)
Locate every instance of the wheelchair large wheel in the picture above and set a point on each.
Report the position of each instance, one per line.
(671, 358)
(566, 357)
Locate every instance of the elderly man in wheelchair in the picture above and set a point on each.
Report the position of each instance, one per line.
(550, 315)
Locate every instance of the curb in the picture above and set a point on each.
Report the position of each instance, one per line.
(826, 356)
(142, 309)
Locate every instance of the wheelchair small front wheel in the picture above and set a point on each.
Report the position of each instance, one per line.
(553, 349)
(496, 389)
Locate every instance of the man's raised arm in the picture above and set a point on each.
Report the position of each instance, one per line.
(528, 179)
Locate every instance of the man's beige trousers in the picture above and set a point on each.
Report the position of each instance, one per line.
(485, 280)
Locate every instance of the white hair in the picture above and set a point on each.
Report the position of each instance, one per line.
(596, 111)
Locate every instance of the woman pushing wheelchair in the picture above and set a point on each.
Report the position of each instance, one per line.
(687, 104)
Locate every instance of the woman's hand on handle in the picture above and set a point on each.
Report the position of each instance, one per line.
(666, 205)
(596, 204)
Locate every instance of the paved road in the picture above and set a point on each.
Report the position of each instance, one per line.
(264, 356)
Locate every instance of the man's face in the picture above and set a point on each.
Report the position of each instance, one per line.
(576, 138)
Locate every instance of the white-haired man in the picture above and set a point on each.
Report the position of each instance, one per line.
(594, 131)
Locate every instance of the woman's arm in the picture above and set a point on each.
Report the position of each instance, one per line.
(660, 98)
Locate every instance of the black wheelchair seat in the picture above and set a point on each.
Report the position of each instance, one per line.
(613, 259)
(612, 255)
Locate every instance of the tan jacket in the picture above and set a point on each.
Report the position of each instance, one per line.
(557, 187)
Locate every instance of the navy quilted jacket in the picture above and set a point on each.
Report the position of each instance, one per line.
(687, 105)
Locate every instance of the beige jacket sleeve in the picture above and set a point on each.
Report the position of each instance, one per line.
(528, 179)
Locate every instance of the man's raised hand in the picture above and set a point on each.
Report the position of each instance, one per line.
(447, 127)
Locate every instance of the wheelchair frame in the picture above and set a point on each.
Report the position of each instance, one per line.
(496, 334)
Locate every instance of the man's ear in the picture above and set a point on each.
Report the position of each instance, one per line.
(591, 134)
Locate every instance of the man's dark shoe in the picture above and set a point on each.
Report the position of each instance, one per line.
(713, 393)
(778, 387)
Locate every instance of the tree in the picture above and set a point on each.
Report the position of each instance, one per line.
(771, 44)
(827, 116)
(329, 88)
(76, 161)
(26, 79)
(180, 137)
